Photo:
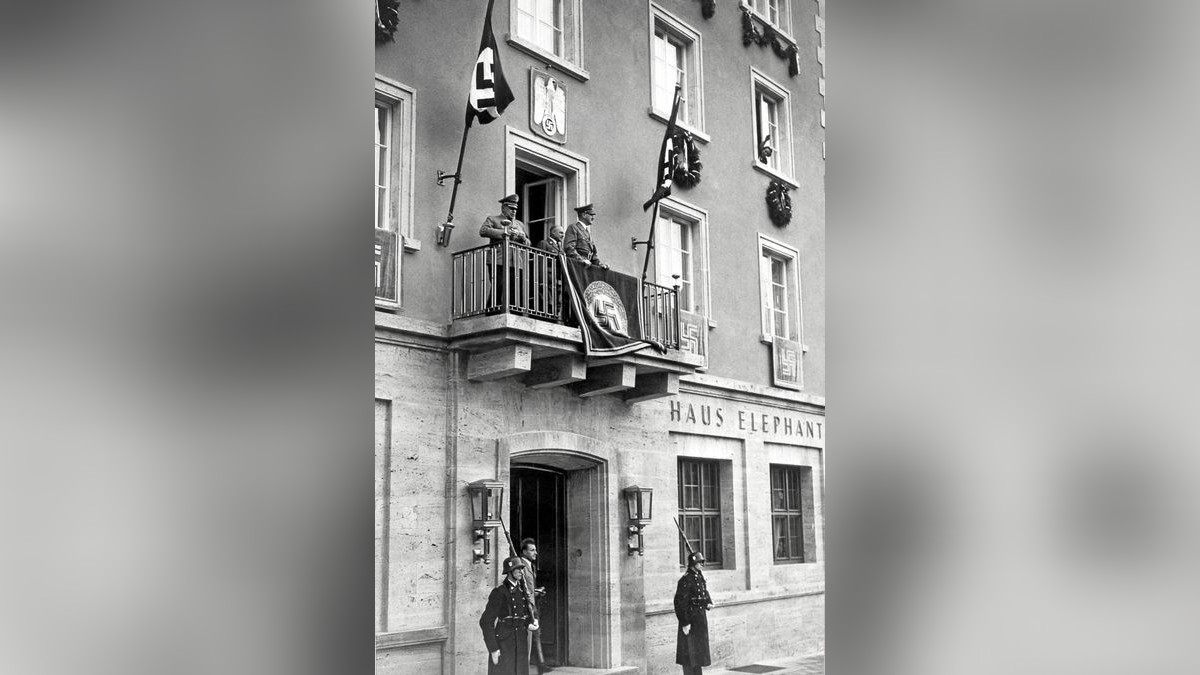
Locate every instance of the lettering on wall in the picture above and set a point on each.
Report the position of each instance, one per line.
(771, 422)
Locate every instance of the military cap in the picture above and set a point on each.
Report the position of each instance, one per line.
(584, 209)
(511, 199)
(511, 564)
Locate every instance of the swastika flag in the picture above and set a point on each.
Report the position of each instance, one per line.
(489, 94)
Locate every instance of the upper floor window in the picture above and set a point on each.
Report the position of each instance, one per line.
(780, 289)
(541, 22)
(774, 12)
(772, 127)
(383, 165)
(393, 185)
(681, 250)
(675, 59)
(551, 29)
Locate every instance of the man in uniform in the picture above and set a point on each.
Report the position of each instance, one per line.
(506, 224)
(529, 578)
(692, 603)
(506, 621)
(578, 241)
(496, 229)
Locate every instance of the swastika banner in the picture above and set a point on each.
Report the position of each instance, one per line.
(786, 356)
(609, 308)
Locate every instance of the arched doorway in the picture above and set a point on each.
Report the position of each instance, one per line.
(560, 497)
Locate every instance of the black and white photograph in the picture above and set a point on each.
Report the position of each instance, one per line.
(599, 337)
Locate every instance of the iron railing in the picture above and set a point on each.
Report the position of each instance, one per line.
(660, 314)
(506, 277)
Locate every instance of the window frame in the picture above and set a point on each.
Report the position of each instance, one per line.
(783, 26)
(705, 514)
(803, 476)
(571, 61)
(784, 146)
(692, 43)
(401, 99)
(539, 155)
(772, 248)
(697, 219)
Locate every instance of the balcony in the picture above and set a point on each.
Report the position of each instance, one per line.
(510, 313)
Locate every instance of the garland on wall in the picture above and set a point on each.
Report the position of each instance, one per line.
(687, 160)
(757, 31)
(387, 18)
(779, 203)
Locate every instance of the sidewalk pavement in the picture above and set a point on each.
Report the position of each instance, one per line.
(813, 664)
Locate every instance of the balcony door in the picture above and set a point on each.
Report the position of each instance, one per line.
(541, 201)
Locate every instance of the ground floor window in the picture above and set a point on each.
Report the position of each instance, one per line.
(792, 514)
(700, 508)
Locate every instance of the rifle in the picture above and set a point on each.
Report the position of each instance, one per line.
(528, 600)
(686, 543)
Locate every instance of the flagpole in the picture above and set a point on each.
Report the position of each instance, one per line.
(650, 241)
(444, 234)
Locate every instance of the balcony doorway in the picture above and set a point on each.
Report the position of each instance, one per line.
(541, 201)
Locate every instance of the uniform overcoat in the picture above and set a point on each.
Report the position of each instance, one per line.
(505, 624)
(578, 244)
(691, 598)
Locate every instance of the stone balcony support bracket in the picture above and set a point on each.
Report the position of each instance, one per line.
(501, 362)
(607, 380)
(556, 372)
(650, 386)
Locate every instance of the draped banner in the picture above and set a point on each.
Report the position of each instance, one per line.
(609, 308)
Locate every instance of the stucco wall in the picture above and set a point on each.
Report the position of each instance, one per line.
(608, 124)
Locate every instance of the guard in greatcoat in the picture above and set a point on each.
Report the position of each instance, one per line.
(692, 603)
(506, 622)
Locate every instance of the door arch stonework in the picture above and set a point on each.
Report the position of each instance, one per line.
(594, 608)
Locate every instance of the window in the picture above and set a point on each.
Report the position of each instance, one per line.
(541, 22)
(394, 125)
(772, 128)
(774, 12)
(675, 59)
(541, 202)
(793, 537)
(549, 28)
(780, 291)
(680, 246)
(550, 180)
(700, 508)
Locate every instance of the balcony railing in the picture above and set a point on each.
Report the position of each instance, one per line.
(506, 277)
(660, 314)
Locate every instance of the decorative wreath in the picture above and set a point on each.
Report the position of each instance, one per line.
(687, 161)
(766, 34)
(779, 203)
(387, 18)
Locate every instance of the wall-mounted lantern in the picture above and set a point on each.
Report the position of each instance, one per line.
(640, 503)
(487, 499)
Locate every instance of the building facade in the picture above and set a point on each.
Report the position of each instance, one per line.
(725, 428)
